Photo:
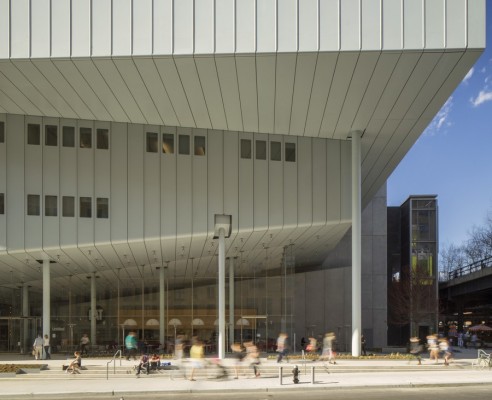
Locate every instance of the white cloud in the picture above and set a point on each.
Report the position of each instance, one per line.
(441, 120)
(483, 70)
(482, 97)
(469, 74)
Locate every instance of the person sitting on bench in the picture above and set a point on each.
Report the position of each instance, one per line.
(74, 367)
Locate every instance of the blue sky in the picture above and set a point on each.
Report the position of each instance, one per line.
(453, 157)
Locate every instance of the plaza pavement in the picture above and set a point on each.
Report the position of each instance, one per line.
(347, 373)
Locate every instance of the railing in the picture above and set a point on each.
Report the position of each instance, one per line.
(468, 269)
(113, 360)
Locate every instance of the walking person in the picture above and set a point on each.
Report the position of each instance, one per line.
(131, 346)
(328, 343)
(197, 354)
(37, 347)
(84, 342)
(253, 357)
(363, 345)
(238, 353)
(282, 347)
(416, 349)
(46, 345)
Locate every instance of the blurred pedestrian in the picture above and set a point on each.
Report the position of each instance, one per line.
(416, 349)
(253, 357)
(37, 347)
(363, 345)
(144, 362)
(46, 345)
(282, 347)
(328, 352)
(433, 348)
(196, 354)
(131, 346)
(84, 342)
(238, 354)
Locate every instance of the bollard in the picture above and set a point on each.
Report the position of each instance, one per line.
(295, 374)
(280, 375)
(312, 375)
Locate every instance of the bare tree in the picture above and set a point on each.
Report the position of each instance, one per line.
(451, 258)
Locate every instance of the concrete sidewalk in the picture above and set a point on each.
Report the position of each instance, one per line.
(347, 373)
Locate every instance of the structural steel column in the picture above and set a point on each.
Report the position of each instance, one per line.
(356, 245)
(46, 299)
(93, 309)
(221, 344)
(162, 325)
(231, 301)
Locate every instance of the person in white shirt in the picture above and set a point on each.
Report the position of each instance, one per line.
(37, 347)
(46, 345)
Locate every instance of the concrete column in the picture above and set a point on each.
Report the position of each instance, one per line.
(221, 344)
(231, 301)
(25, 323)
(356, 244)
(46, 299)
(162, 324)
(93, 309)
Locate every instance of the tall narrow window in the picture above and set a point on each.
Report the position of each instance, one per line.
(261, 150)
(85, 138)
(102, 139)
(102, 206)
(290, 152)
(68, 139)
(275, 151)
(2, 203)
(184, 144)
(168, 143)
(33, 134)
(33, 204)
(199, 145)
(50, 206)
(51, 135)
(245, 148)
(68, 206)
(86, 207)
(2, 132)
(152, 142)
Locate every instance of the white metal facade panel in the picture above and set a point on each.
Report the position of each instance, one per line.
(319, 178)
(290, 186)
(20, 31)
(121, 28)
(275, 188)
(226, 68)
(287, 26)
(284, 87)
(15, 95)
(102, 184)
(215, 173)
(476, 24)
(246, 74)
(209, 81)
(142, 27)
(101, 28)
(81, 29)
(85, 181)
(204, 27)
(184, 188)
(193, 91)
(333, 181)
(60, 28)
(3, 187)
(163, 27)
(308, 25)
(246, 187)
(118, 203)
(152, 184)
(231, 174)
(225, 27)
(40, 28)
(4, 28)
(456, 23)
(392, 24)
(169, 189)
(183, 30)
(136, 146)
(260, 191)
(265, 77)
(413, 29)
(200, 187)
(303, 86)
(434, 24)
(371, 25)
(350, 25)
(329, 25)
(266, 26)
(345, 188)
(245, 26)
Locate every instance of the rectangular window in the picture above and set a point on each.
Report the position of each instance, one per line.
(33, 134)
(2, 203)
(102, 139)
(290, 152)
(275, 151)
(85, 138)
(102, 205)
(2, 132)
(51, 135)
(152, 142)
(50, 206)
(68, 139)
(199, 145)
(245, 148)
(184, 144)
(261, 151)
(68, 204)
(86, 207)
(168, 143)
(33, 206)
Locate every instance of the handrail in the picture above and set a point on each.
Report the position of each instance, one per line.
(114, 365)
(469, 268)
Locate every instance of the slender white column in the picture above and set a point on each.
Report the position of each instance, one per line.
(356, 244)
(231, 301)
(93, 309)
(25, 313)
(221, 344)
(46, 298)
(162, 325)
